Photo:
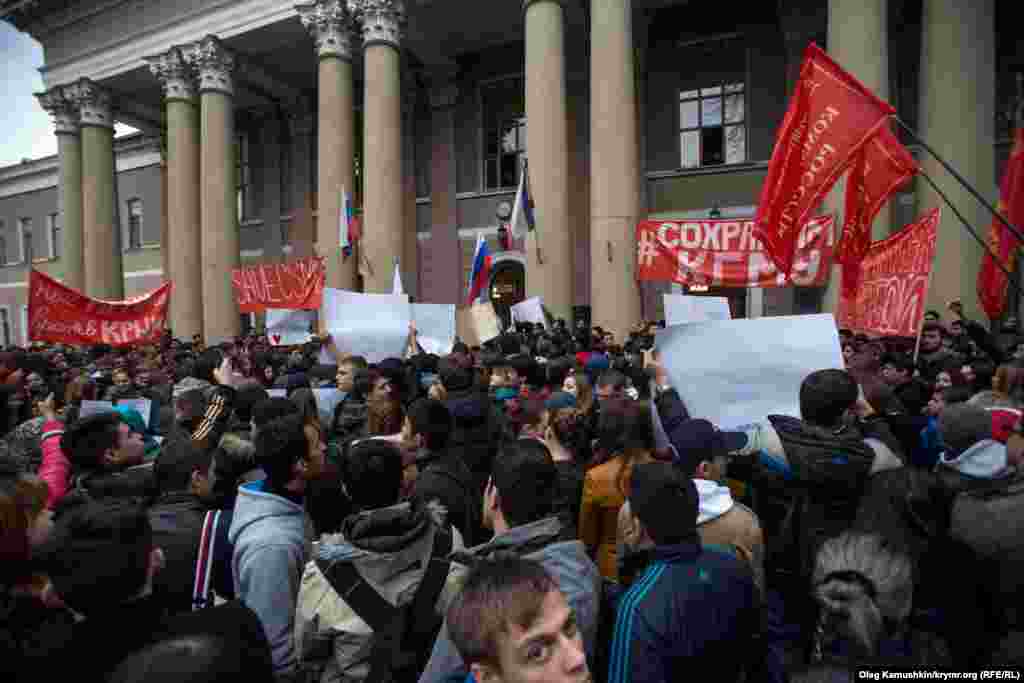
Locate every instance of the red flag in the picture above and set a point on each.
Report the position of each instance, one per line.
(830, 117)
(992, 283)
(882, 166)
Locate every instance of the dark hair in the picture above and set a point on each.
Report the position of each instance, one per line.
(373, 474)
(932, 326)
(279, 445)
(208, 361)
(198, 658)
(233, 458)
(826, 395)
(363, 381)
(497, 594)
(567, 424)
(611, 378)
(433, 420)
(246, 400)
(305, 400)
(525, 475)
(99, 554)
(272, 409)
(173, 468)
(953, 395)
(900, 361)
(85, 443)
(22, 496)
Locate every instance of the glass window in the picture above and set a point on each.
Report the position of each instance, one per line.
(5, 325)
(3, 251)
(712, 125)
(243, 174)
(53, 230)
(134, 223)
(504, 130)
(25, 237)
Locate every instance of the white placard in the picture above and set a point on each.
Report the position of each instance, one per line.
(375, 326)
(143, 406)
(530, 311)
(736, 372)
(95, 408)
(435, 327)
(681, 309)
(288, 327)
(326, 401)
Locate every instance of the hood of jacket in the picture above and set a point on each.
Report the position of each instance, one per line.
(984, 460)
(715, 500)
(265, 517)
(402, 529)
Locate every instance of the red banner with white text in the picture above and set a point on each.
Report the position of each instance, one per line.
(894, 277)
(59, 314)
(297, 284)
(830, 117)
(725, 253)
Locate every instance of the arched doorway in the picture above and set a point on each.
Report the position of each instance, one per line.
(508, 287)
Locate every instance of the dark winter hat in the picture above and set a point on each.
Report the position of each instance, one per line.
(697, 441)
(962, 425)
(665, 501)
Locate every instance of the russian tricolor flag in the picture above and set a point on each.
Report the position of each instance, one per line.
(480, 276)
(522, 212)
(348, 231)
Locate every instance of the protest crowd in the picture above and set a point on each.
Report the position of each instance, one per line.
(542, 508)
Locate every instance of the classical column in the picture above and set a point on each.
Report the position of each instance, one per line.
(382, 158)
(59, 103)
(184, 244)
(549, 258)
(331, 24)
(410, 244)
(101, 236)
(957, 119)
(218, 190)
(858, 40)
(614, 196)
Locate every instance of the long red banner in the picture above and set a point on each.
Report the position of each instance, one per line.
(297, 284)
(893, 288)
(725, 253)
(59, 314)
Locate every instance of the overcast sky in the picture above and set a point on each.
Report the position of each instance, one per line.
(26, 131)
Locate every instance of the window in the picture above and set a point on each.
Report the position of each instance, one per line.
(25, 239)
(243, 174)
(504, 128)
(134, 223)
(712, 126)
(24, 326)
(5, 326)
(53, 235)
(3, 251)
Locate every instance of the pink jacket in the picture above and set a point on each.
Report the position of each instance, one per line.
(55, 469)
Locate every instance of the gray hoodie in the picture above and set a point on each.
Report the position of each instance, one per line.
(270, 550)
(567, 561)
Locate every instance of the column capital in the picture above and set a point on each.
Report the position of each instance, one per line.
(527, 3)
(215, 65)
(94, 105)
(383, 21)
(63, 110)
(175, 73)
(332, 24)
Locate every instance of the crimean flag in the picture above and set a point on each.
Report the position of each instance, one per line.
(831, 116)
(992, 282)
(879, 170)
(480, 275)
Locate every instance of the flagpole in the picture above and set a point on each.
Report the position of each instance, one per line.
(983, 243)
(952, 171)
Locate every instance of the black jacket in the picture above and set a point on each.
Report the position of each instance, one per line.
(177, 521)
(444, 477)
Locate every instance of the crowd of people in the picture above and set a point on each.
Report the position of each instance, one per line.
(543, 508)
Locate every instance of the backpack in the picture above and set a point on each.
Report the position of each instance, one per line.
(403, 637)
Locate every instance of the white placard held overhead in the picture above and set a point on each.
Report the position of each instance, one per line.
(530, 311)
(375, 326)
(736, 372)
(287, 327)
(435, 327)
(681, 309)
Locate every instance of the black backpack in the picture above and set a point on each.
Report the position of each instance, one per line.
(403, 637)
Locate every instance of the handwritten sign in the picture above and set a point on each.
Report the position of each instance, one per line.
(294, 285)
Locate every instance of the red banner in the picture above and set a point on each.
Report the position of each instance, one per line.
(880, 169)
(725, 253)
(992, 283)
(830, 117)
(59, 314)
(890, 300)
(296, 285)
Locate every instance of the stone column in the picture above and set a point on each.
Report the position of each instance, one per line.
(549, 258)
(184, 244)
(382, 158)
(301, 124)
(331, 24)
(218, 190)
(410, 269)
(858, 40)
(614, 199)
(101, 236)
(59, 103)
(957, 119)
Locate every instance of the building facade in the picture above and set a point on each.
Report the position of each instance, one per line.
(256, 116)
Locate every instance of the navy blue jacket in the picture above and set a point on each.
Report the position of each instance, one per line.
(693, 610)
